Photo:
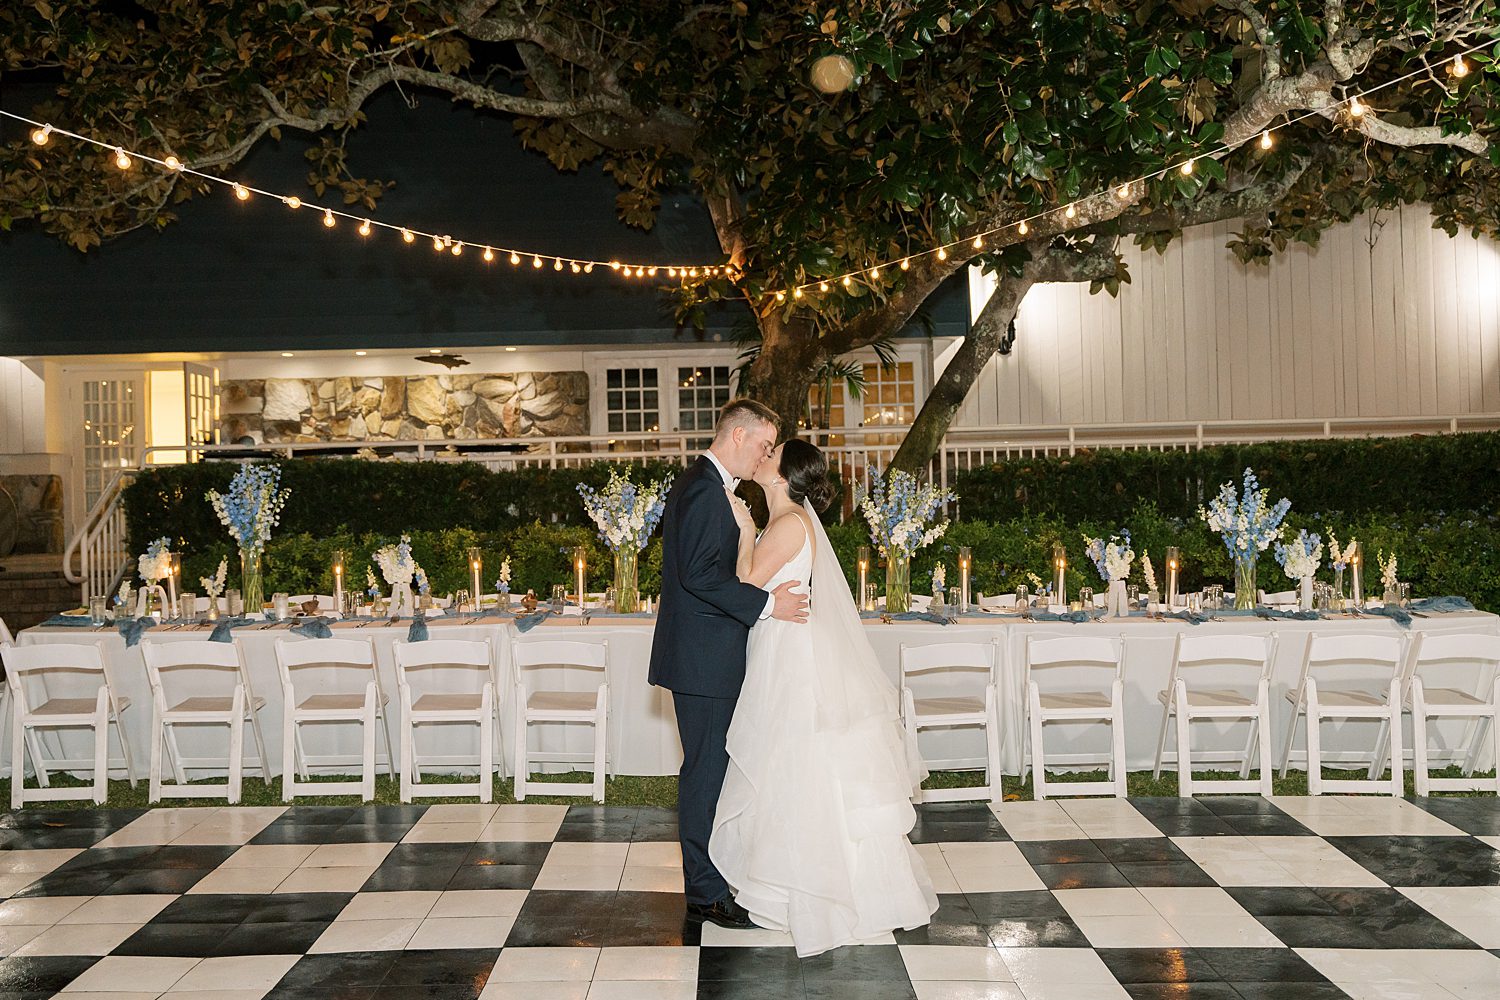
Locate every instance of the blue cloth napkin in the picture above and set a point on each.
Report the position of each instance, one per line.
(1076, 617)
(131, 629)
(417, 632)
(909, 616)
(314, 628)
(223, 628)
(525, 623)
(69, 622)
(1442, 604)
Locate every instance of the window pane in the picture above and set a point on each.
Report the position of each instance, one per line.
(632, 421)
(648, 378)
(616, 423)
(612, 378)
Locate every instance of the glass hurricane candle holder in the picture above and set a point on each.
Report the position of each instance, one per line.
(1059, 574)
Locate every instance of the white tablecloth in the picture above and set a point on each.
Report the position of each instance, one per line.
(643, 737)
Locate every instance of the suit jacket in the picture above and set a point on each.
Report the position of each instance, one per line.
(706, 613)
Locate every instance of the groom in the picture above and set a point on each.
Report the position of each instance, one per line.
(698, 652)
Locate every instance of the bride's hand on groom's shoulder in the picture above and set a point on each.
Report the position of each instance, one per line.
(741, 510)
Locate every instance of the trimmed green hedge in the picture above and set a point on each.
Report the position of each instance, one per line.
(1377, 475)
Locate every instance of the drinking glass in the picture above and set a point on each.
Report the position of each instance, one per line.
(1086, 597)
(281, 602)
(235, 601)
(1404, 589)
(187, 606)
(96, 609)
(1023, 597)
(872, 594)
(955, 594)
(559, 597)
(1195, 602)
(1132, 595)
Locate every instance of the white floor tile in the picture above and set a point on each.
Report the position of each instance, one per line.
(119, 910)
(967, 991)
(389, 905)
(1174, 902)
(1047, 990)
(37, 863)
(1402, 989)
(1454, 967)
(1007, 878)
(1036, 821)
(653, 854)
(365, 935)
(325, 880)
(1220, 930)
(270, 856)
(174, 994)
(528, 812)
(443, 833)
(240, 881)
(1473, 911)
(937, 868)
(347, 856)
(1056, 965)
(246, 973)
(126, 995)
(1137, 930)
(458, 812)
(1103, 902)
(651, 880)
(982, 854)
(648, 964)
(39, 909)
(12, 884)
(608, 990)
(1492, 841)
(122, 972)
(588, 854)
(462, 932)
(497, 989)
(78, 939)
(1106, 819)
(715, 936)
(598, 878)
(542, 965)
(479, 903)
(515, 833)
(934, 963)
(13, 936)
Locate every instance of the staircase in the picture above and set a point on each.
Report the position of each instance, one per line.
(34, 588)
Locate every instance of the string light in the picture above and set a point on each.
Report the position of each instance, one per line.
(41, 135)
(575, 267)
(1187, 168)
(122, 159)
(797, 293)
(848, 281)
(408, 236)
(978, 243)
(557, 265)
(328, 219)
(1265, 139)
(1023, 229)
(489, 255)
(1070, 211)
(364, 228)
(1459, 68)
(942, 253)
(1123, 192)
(536, 262)
(874, 274)
(1356, 109)
(172, 162)
(822, 286)
(292, 201)
(458, 249)
(906, 263)
(241, 192)
(781, 296)
(437, 244)
(515, 258)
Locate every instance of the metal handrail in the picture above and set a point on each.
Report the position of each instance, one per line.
(99, 542)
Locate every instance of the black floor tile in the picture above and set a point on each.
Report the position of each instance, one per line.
(42, 974)
(1281, 901)
(1347, 918)
(1477, 816)
(1132, 849)
(502, 853)
(460, 969)
(750, 989)
(175, 881)
(1157, 965)
(1184, 991)
(297, 906)
(1287, 991)
(360, 833)
(870, 963)
(560, 918)
(1082, 876)
(334, 992)
(768, 966)
(208, 909)
(1031, 919)
(956, 822)
(494, 877)
(1160, 874)
(859, 989)
(598, 824)
(1183, 817)
(117, 860)
(1429, 861)
(410, 878)
(1271, 965)
(181, 940)
(285, 938)
(364, 968)
(1061, 852)
(77, 884)
(1265, 825)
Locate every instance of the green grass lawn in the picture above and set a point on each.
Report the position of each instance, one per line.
(630, 790)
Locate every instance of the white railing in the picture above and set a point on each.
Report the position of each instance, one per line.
(100, 542)
(854, 454)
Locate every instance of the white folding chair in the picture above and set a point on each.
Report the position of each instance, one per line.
(980, 663)
(1250, 657)
(475, 706)
(1097, 704)
(1362, 681)
(1469, 663)
(997, 601)
(364, 705)
(589, 707)
(218, 669)
(96, 706)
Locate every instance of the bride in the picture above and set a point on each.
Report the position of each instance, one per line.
(811, 825)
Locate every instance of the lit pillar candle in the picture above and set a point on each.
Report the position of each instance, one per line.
(1174, 565)
(1059, 574)
(965, 558)
(338, 581)
(1356, 563)
(174, 570)
(580, 567)
(864, 578)
(476, 565)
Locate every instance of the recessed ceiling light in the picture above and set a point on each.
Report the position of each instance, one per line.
(360, 354)
(286, 354)
(434, 350)
(510, 348)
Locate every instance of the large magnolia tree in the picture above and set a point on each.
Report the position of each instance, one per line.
(962, 118)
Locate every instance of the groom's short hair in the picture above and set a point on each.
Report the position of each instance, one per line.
(744, 413)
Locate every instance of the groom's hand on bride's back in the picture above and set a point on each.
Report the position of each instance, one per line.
(791, 606)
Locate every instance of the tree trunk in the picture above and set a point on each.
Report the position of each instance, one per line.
(782, 374)
(948, 392)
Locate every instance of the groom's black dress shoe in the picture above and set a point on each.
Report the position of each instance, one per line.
(726, 913)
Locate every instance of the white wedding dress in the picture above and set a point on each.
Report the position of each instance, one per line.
(812, 821)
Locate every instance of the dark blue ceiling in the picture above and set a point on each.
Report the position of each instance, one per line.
(255, 276)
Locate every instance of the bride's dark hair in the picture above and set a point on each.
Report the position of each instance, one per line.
(805, 470)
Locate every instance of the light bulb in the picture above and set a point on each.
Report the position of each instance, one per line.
(1123, 192)
(847, 281)
(797, 294)
(942, 254)
(41, 135)
(1023, 228)
(536, 262)
(434, 350)
(515, 258)
(122, 159)
(781, 296)
(292, 201)
(1460, 68)
(364, 228)
(906, 263)
(408, 235)
(1187, 169)
(693, 273)
(588, 268)
(1265, 139)
(652, 272)
(671, 272)
(458, 248)
(1356, 109)
(576, 268)
(286, 354)
(437, 244)
(874, 274)
(488, 255)
(978, 242)
(241, 192)
(328, 218)
(614, 265)
(1071, 212)
(822, 286)
(172, 162)
(557, 264)
(360, 354)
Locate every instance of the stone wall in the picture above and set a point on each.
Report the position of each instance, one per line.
(39, 513)
(406, 407)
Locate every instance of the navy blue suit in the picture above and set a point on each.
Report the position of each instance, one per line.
(698, 653)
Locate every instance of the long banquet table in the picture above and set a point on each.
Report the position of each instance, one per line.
(642, 734)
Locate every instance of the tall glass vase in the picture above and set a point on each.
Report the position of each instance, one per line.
(252, 585)
(1245, 593)
(1338, 587)
(627, 576)
(897, 583)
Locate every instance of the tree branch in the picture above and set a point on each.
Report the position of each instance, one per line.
(1270, 48)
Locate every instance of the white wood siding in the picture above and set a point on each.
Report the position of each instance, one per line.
(23, 409)
(1388, 318)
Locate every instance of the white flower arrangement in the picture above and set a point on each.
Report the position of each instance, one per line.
(898, 512)
(153, 563)
(372, 585)
(625, 513)
(502, 584)
(1302, 556)
(939, 579)
(251, 506)
(1149, 570)
(1111, 559)
(1340, 559)
(213, 586)
(123, 597)
(1036, 582)
(1247, 523)
(395, 562)
(1387, 570)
